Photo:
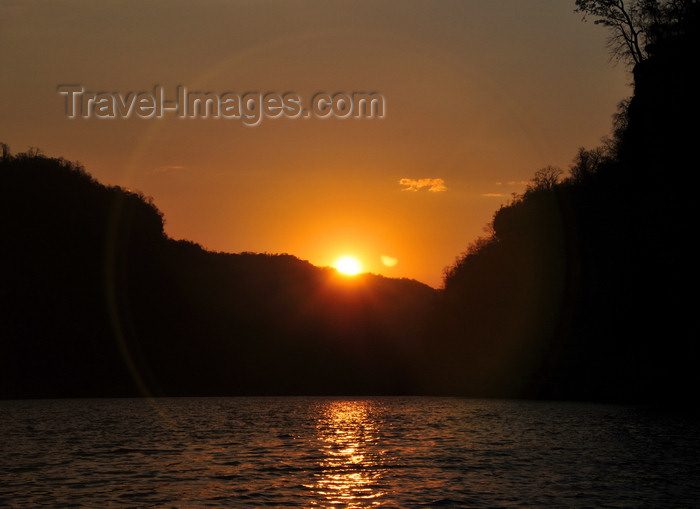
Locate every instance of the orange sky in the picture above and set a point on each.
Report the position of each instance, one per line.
(479, 93)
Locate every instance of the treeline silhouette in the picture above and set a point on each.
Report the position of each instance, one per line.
(581, 290)
(97, 301)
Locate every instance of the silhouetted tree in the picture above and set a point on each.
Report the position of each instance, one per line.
(587, 163)
(635, 24)
(545, 179)
(612, 143)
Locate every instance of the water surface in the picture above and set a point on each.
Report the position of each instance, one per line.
(337, 452)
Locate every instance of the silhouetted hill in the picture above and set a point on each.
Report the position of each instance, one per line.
(582, 291)
(97, 301)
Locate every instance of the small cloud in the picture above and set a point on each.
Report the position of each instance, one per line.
(389, 261)
(493, 195)
(433, 185)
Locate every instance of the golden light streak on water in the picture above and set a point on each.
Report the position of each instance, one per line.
(351, 468)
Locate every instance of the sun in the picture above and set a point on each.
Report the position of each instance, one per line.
(348, 265)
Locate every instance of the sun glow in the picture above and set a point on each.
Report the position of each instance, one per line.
(348, 265)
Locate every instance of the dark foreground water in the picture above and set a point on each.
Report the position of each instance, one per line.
(327, 452)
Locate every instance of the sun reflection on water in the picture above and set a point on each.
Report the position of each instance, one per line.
(351, 466)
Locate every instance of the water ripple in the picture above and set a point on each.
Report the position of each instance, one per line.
(331, 452)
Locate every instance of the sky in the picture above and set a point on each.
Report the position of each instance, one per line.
(477, 95)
